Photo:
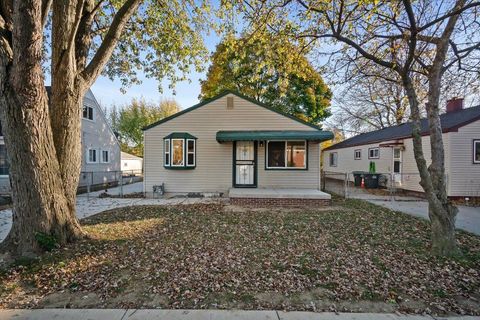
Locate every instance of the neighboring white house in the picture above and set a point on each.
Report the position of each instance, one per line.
(100, 148)
(392, 151)
(232, 142)
(131, 163)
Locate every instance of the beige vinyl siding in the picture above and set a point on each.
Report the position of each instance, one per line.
(213, 172)
(465, 177)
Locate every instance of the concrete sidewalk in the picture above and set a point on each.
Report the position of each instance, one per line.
(151, 314)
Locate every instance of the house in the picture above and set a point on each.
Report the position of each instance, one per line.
(232, 144)
(100, 149)
(392, 151)
(131, 164)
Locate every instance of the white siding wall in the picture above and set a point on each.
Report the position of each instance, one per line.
(347, 163)
(96, 134)
(465, 177)
(213, 172)
(132, 164)
(410, 175)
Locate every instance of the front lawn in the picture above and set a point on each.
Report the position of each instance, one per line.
(352, 256)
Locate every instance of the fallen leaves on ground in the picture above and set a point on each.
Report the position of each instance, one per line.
(351, 257)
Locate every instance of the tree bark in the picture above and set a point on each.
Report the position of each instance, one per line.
(67, 96)
(441, 213)
(43, 138)
(39, 202)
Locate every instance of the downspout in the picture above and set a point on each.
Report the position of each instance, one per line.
(144, 166)
(319, 166)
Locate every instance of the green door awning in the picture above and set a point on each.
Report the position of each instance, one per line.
(317, 135)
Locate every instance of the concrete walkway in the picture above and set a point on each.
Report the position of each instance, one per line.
(468, 218)
(151, 314)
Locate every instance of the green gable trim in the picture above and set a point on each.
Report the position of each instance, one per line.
(224, 136)
(180, 135)
(221, 95)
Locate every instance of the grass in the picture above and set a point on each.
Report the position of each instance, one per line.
(353, 256)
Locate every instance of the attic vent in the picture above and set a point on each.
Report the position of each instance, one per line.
(229, 103)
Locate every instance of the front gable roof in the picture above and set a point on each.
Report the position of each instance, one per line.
(221, 95)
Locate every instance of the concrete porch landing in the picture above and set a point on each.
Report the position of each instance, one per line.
(278, 197)
(277, 193)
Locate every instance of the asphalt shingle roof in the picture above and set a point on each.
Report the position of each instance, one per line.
(451, 121)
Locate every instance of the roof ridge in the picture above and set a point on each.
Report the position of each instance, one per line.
(445, 118)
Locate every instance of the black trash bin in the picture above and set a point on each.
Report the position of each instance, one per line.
(371, 181)
(357, 178)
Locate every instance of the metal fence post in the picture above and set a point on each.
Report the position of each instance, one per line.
(346, 185)
(88, 185)
(392, 187)
(121, 185)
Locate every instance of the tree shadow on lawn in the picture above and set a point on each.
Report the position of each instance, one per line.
(357, 258)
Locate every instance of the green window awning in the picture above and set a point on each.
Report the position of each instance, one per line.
(317, 135)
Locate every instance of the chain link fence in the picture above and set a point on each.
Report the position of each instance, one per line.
(374, 186)
(91, 181)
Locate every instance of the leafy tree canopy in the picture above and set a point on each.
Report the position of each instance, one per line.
(274, 72)
(128, 121)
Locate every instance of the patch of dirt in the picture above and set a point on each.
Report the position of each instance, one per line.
(69, 300)
(353, 256)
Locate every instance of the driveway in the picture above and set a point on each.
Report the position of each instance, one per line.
(468, 218)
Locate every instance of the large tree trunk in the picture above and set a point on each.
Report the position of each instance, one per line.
(39, 202)
(66, 98)
(432, 179)
(44, 144)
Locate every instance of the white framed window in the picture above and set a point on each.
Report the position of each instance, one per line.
(357, 154)
(191, 152)
(373, 153)
(286, 154)
(476, 151)
(333, 159)
(178, 154)
(92, 156)
(180, 151)
(88, 112)
(105, 156)
(166, 145)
